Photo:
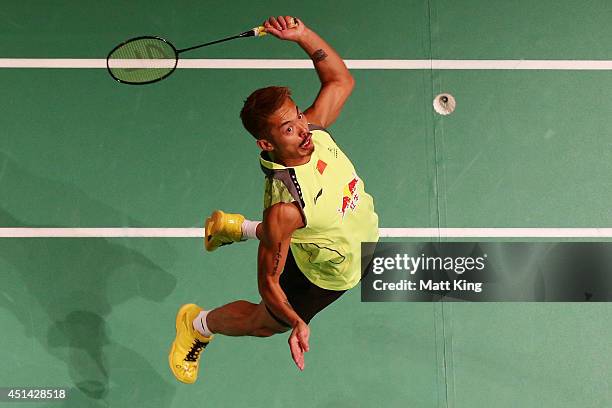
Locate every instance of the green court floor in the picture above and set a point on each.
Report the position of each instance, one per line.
(524, 148)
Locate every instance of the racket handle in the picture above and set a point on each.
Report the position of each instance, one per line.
(261, 30)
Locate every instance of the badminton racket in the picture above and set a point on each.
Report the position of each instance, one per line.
(147, 59)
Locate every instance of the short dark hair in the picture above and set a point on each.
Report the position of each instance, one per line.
(259, 106)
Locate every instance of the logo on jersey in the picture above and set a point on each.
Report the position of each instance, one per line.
(321, 166)
(319, 194)
(350, 198)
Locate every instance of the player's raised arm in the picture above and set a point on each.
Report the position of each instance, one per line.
(336, 80)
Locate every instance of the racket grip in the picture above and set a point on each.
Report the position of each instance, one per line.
(261, 30)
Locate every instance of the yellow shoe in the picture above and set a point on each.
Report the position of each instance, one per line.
(188, 344)
(222, 229)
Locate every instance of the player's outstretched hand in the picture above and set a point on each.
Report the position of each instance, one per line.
(279, 27)
(298, 343)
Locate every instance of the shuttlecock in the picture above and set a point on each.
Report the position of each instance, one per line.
(444, 104)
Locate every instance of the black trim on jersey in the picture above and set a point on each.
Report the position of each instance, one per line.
(289, 179)
(296, 186)
(301, 245)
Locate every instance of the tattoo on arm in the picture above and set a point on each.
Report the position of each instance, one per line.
(319, 55)
(277, 259)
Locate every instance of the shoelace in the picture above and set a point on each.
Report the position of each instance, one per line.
(195, 351)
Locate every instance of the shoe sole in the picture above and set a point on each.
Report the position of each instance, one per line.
(179, 322)
(215, 218)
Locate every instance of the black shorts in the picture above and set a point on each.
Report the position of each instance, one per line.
(306, 298)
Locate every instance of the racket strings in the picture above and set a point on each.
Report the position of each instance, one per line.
(148, 59)
(142, 60)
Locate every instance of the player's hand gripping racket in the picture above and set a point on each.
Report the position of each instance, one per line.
(147, 59)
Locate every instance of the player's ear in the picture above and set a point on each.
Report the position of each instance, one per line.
(265, 145)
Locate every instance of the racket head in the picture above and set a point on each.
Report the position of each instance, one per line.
(142, 60)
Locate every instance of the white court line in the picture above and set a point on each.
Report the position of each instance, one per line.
(384, 232)
(307, 64)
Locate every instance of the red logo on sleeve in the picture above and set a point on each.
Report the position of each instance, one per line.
(350, 198)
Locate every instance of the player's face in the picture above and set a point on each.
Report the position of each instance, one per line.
(290, 140)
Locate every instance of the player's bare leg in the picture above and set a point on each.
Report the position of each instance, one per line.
(242, 318)
(195, 328)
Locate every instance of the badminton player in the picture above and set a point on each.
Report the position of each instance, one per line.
(316, 214)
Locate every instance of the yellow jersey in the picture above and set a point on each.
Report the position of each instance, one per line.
(338, 213)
